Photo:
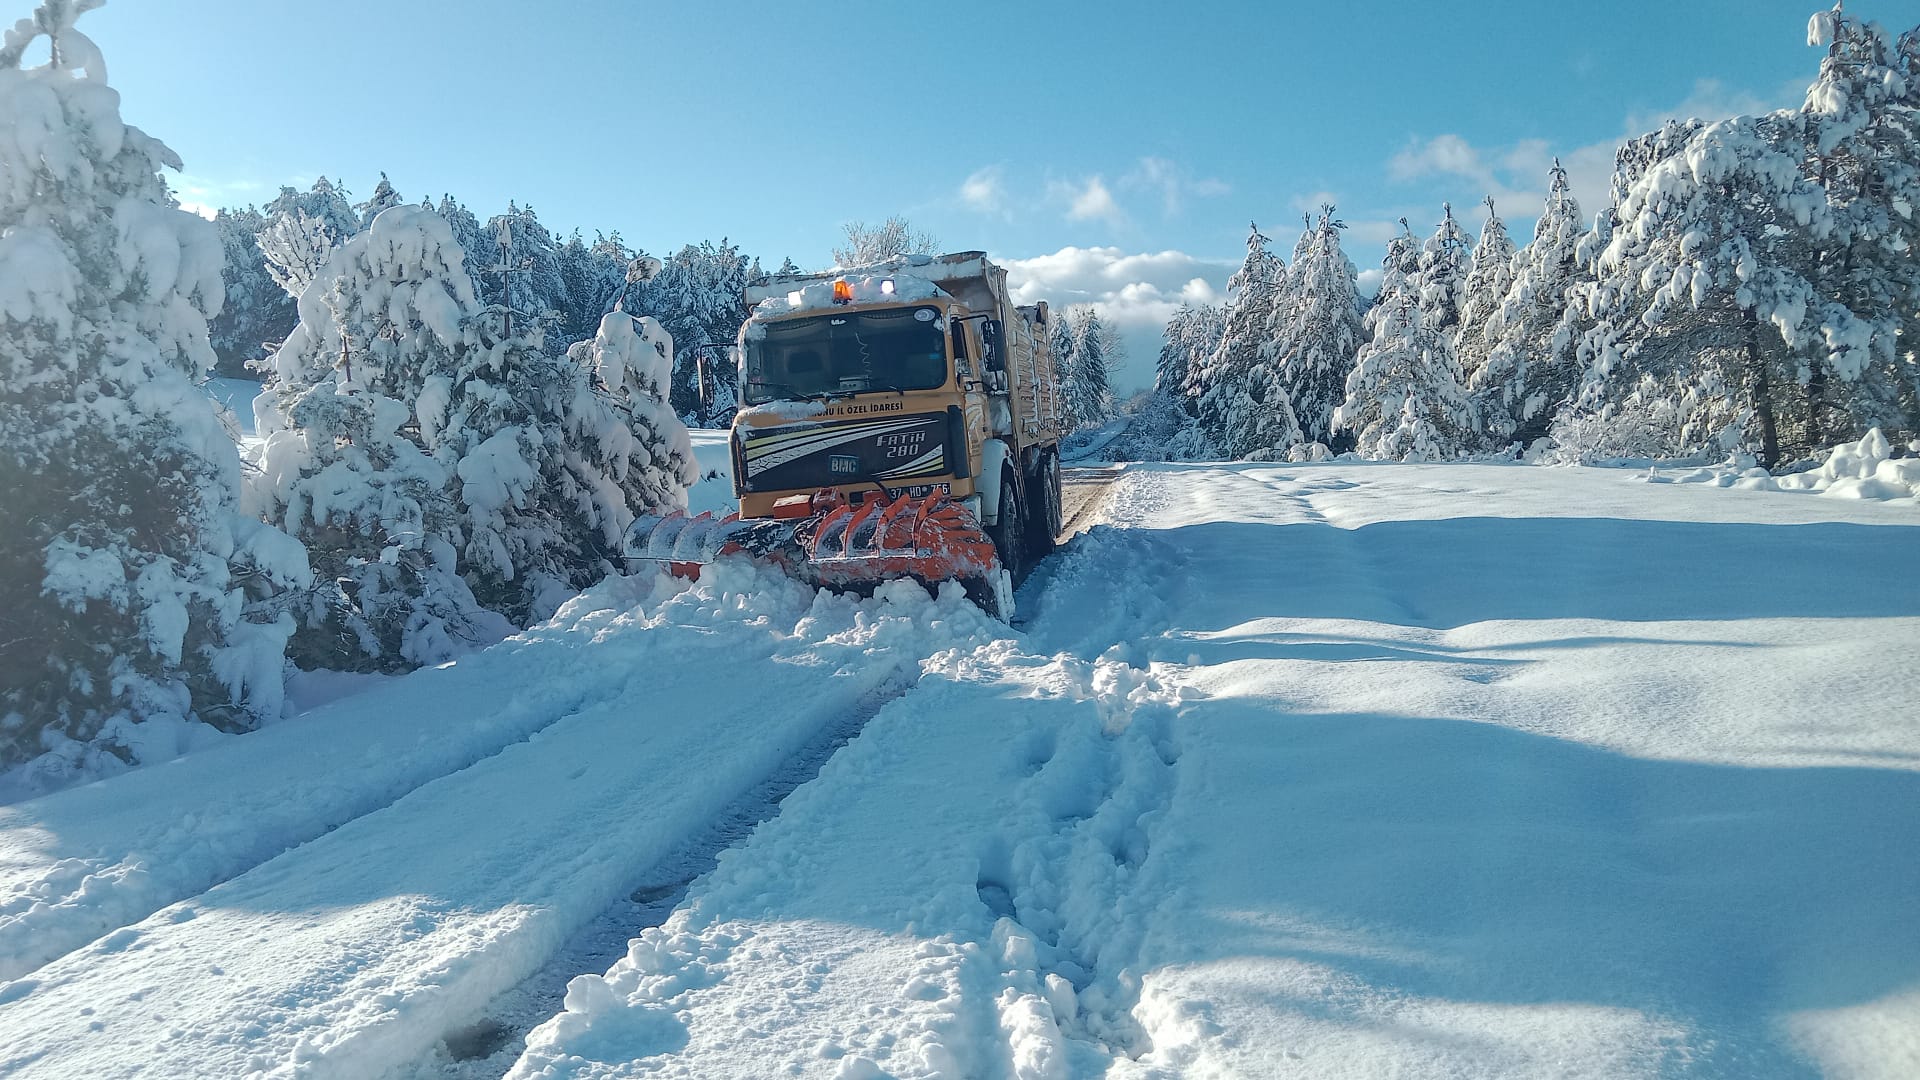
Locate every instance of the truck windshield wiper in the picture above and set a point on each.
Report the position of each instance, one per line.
(789, 392)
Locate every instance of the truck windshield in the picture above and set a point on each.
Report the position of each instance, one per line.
(846, 352)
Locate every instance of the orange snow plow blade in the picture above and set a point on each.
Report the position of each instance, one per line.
(843, 546)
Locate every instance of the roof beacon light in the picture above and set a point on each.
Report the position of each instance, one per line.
(887, 286)
(842, 292)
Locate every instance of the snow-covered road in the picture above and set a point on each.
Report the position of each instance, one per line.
(1314, 770)
(1349, 771)
(363, 947)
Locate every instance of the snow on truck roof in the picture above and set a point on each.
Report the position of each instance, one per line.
(958, 266)
(861, 288)
(966, 276)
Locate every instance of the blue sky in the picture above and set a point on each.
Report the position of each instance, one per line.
(1108, 151)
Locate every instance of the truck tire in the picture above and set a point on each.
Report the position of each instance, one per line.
(1043, 516)
(992, 594)
(1009, 534)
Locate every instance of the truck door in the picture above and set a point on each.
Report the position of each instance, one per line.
(971, 374)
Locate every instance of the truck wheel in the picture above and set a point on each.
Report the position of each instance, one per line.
(993, 594)
(1043, 518)
(1009, 533)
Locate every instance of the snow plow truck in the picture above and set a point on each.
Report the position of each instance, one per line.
(900, 420)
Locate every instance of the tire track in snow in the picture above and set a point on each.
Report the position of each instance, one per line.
(957, 894)
(352, 954)
(488, 1047)
(1085, 492)
(856, 932)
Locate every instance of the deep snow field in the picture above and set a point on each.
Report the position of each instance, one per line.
(1285, 770)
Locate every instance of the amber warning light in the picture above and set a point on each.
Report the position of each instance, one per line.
(842, 293)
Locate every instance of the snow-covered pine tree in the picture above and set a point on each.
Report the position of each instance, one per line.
(1060, 342)
(788, 266)
(446, 470)
(303, 228)
(477, 247)
(1487, 286)
(648, 451)
(1243, 408)
(1713, 252)
(1446, 262)
(699, 295)
(1403, 399)
(1759, 277)
(1316, 329)
(1164, 428)
(1191, 336)
(383, 197)
(136, 597)
(551, 466)
(1263, 427)
(527, 258)
(1092, 350)
(594, 276)
(257, 312)
(1529, 369)
(1301, 245)
(362, 391)
(1862, 125)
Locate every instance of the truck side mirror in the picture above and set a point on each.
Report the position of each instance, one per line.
(990, 335)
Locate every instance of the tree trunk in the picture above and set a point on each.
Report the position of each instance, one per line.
(1816, 401)
(1762, 394)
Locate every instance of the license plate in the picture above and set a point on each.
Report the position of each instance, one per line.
(921, 491)
(843, 463)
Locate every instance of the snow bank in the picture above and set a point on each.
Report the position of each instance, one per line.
(1863, 470)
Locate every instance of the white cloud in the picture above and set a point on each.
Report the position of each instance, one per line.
(1311, 202)
(1517, 180)
(1171, 182)
(1090, 201)
(1374, 231)
(1516, 174)
(1094, 198)
(1444, 154)
(986, 191)
(202, 209)
(1529, 157)
(1710, 99)
(1137, 292)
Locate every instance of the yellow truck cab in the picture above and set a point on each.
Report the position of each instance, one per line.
(908, 378)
